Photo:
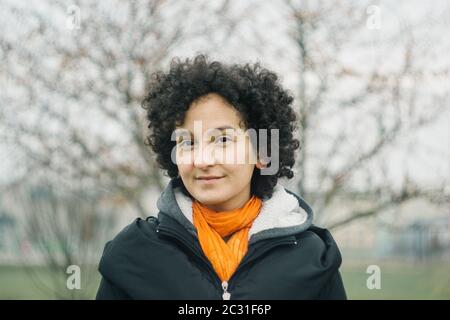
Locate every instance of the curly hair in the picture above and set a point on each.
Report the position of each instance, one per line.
(253, 90)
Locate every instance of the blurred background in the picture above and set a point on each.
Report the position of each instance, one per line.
(371, 81)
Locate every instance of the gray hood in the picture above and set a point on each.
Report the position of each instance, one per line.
(283, 214)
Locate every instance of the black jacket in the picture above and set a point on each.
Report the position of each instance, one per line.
(161, 258)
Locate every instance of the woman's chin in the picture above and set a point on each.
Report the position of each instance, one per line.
(210, 199)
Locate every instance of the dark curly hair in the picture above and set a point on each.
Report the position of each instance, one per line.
(253, 90)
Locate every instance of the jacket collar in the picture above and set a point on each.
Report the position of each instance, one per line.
(284, 214)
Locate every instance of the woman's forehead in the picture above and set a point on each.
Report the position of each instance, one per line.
(214, 110)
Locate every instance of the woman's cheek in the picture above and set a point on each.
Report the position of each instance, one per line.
(184, 169)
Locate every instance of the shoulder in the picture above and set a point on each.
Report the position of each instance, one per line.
(317, 236)
(328, 260)
(133, 242)
(319, 245)
(137, 231)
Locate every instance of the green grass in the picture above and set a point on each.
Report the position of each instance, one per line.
(398, 281)
(41, 283)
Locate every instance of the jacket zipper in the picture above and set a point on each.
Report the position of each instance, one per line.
(225, 294)
(225, 285)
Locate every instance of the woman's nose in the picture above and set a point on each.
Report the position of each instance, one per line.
(204, 156)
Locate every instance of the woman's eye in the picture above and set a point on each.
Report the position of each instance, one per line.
(185, 144)
(223, 139)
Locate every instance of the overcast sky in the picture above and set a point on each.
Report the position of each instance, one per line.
(427, 157)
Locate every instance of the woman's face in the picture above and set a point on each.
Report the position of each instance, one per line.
(213, 144)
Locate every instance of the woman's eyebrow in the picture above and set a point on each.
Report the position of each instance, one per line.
(223, 128)
(191, 135)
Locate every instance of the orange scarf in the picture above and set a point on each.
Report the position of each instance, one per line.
(212, 226)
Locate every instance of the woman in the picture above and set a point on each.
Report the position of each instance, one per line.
(226, 229)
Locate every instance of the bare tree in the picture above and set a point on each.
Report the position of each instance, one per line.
(63, 229)
(355, 113)
(73, 78)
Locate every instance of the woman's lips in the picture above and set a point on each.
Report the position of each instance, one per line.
(209, 180)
